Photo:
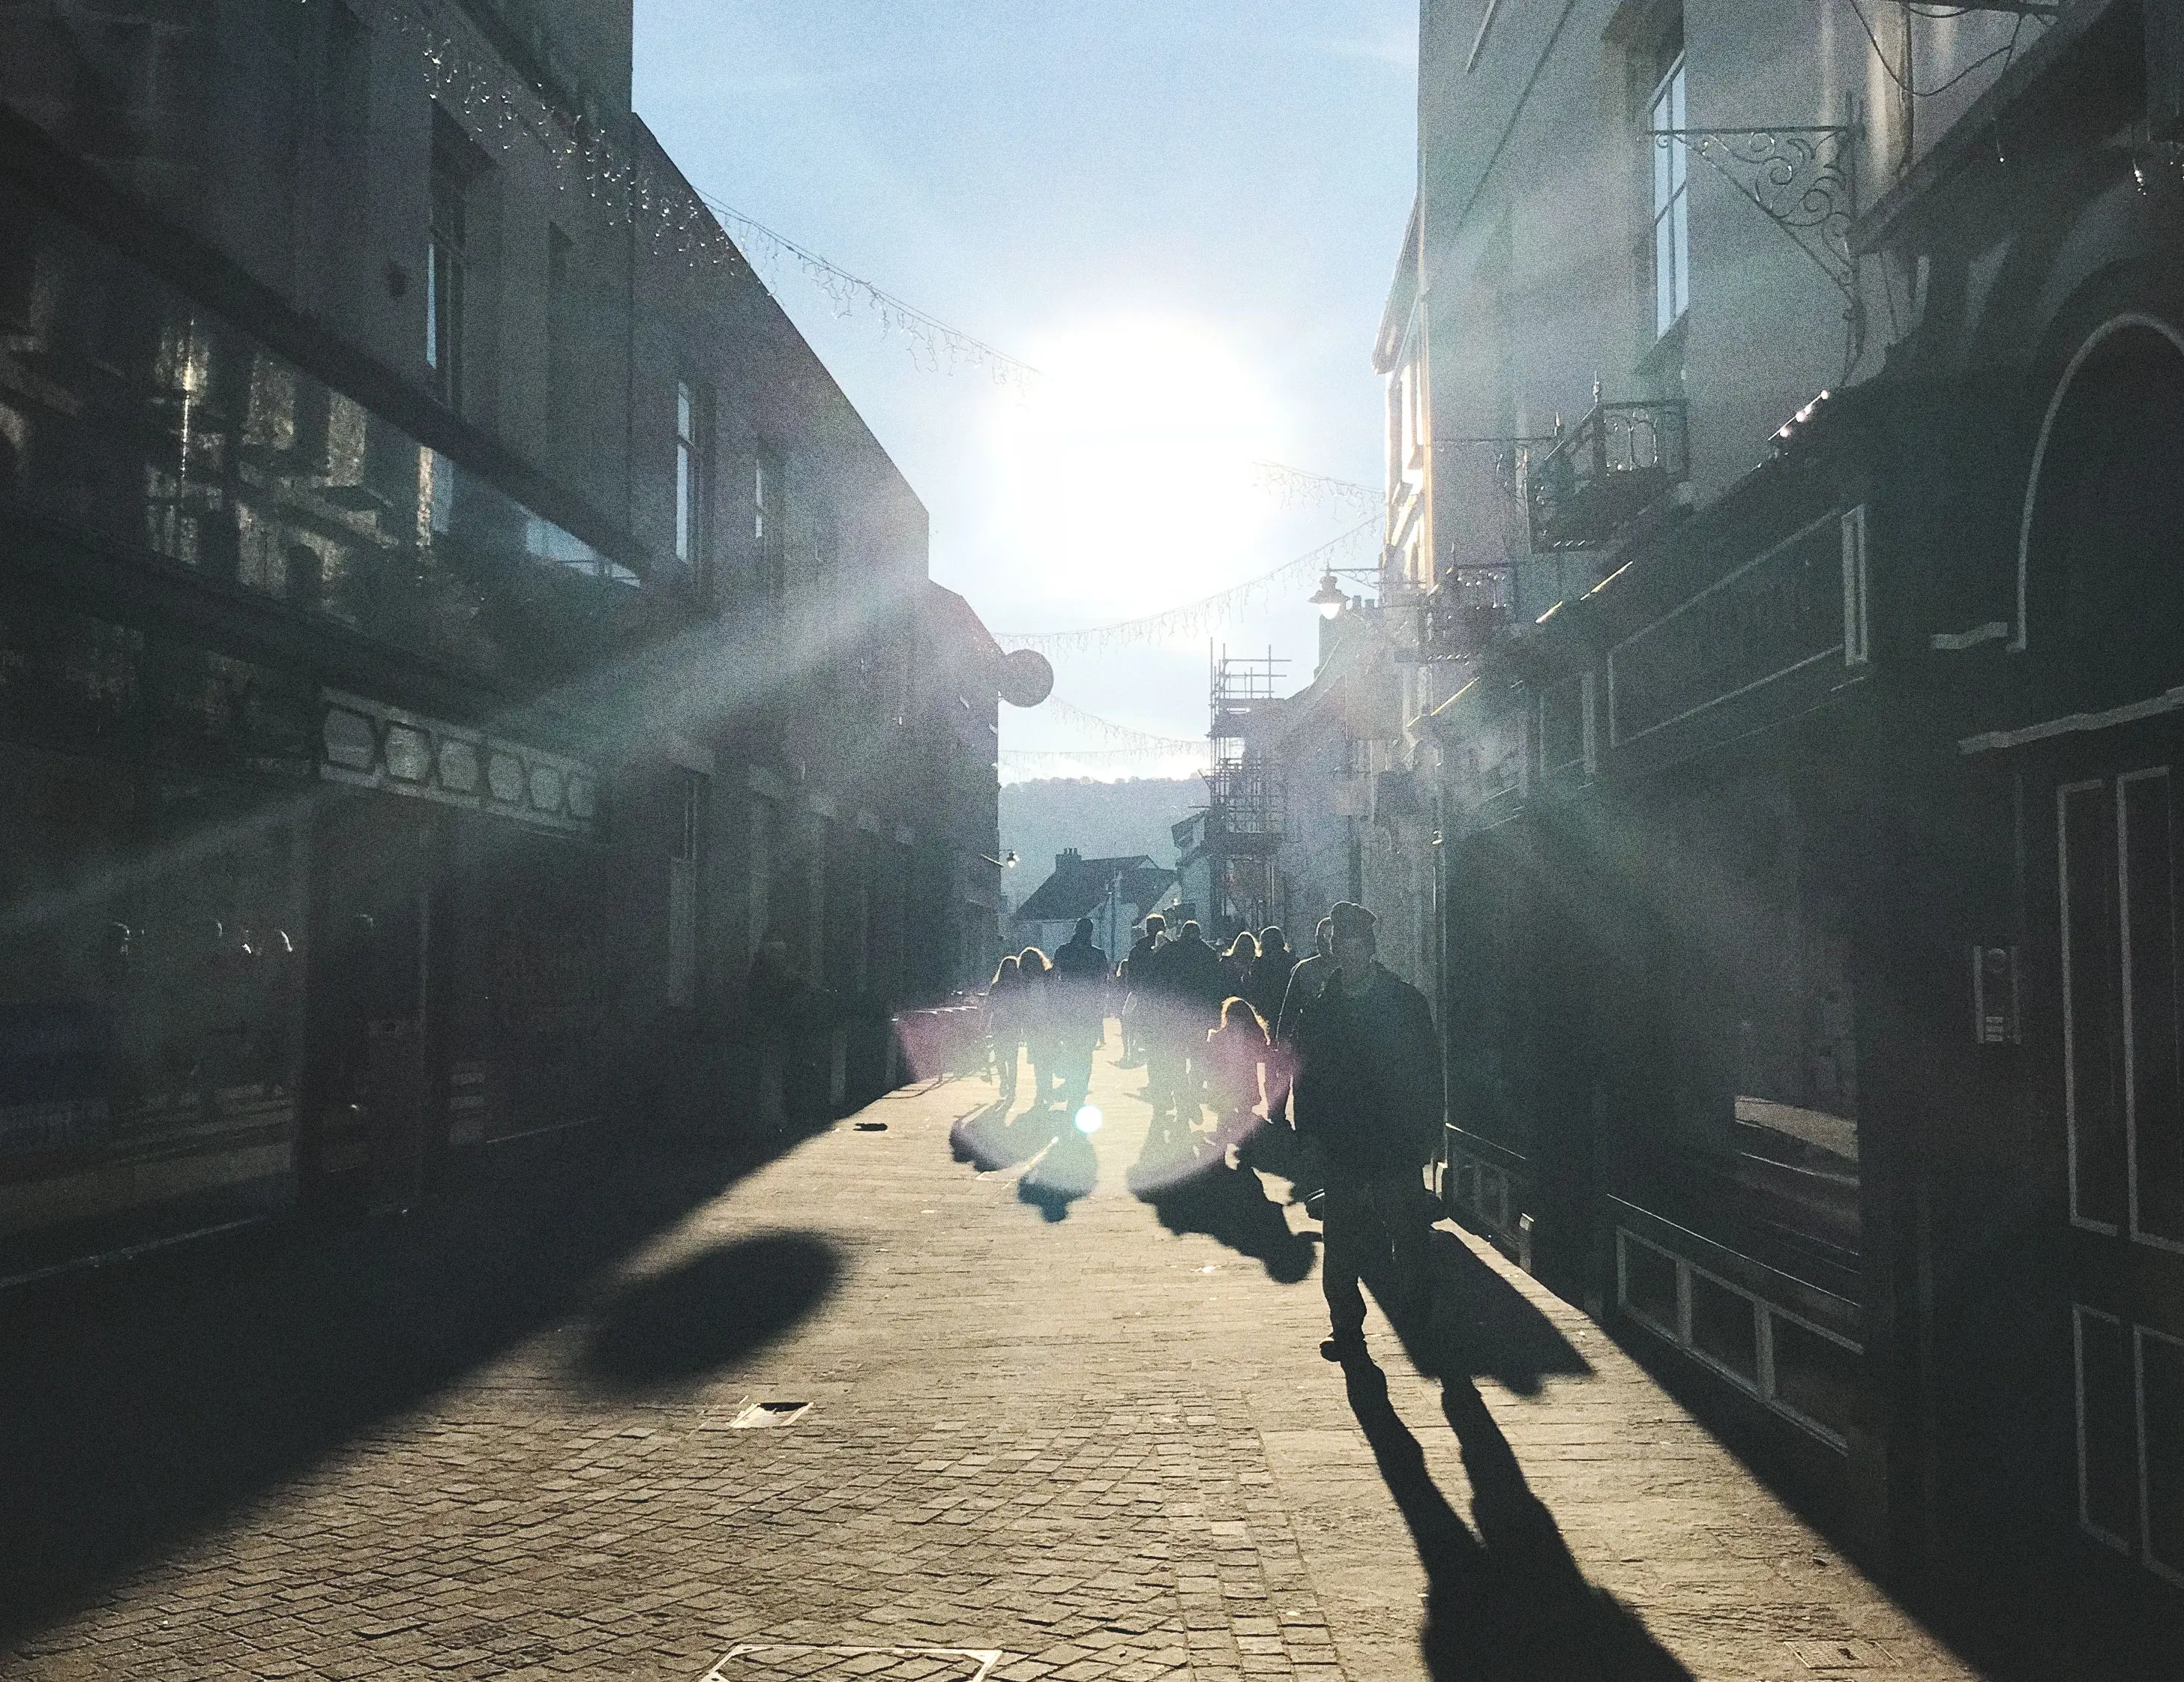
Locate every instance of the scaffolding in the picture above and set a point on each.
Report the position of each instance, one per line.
(1246, 796)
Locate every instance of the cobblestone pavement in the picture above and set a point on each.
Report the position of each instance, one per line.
(1048, 1436)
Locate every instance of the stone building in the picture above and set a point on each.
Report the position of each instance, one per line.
(447, 615)
(1779, 597)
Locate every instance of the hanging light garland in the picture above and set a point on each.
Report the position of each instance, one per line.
(1063, 762)
(1193, 617)
(935, 347)
(1295, 488)
(1122, 734)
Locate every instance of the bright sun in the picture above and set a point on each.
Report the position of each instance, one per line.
(1126, 470)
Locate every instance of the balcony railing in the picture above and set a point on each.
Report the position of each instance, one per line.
(1616, 462)
(1471, 607)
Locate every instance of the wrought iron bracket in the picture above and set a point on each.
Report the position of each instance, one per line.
(1804, 181)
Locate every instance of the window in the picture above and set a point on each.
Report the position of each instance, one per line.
(447, 260)
(1667, 112)
(770, 522)
(686, 472)
(349, 78)
(760, 901)
(685, 844)
(560, 339)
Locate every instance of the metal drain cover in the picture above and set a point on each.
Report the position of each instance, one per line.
(768, 1662)
(760, 1414)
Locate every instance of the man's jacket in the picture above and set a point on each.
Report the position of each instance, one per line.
(1189, 978)
(1368, 1087)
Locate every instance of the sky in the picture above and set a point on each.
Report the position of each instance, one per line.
(1184, 213)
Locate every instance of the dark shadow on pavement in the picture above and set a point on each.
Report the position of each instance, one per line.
(1232, 1205)
(709, 1309)
(139, 1406)
(990, 1140)
(1484, 1328)
(1507, 1600)
(1067, 1170)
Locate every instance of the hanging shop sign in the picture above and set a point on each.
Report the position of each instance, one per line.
(1797, 605)
(369, 744)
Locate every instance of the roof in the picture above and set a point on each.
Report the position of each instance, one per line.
(1402, 296)
(959, 617)
(1078, 885)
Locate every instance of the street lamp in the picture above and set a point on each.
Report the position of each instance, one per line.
(1328, 598)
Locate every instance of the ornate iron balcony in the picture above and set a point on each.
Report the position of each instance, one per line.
(1616, 462)
(1471, 607)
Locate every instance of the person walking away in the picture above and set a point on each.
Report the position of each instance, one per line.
(1369, 1095)
(1235, 1057)
(1153, 1003)
(777, 1000)
(1307, 976)
(1270, 975)
(1243, 952)
(1197, 984)
(1035, 1000)
(1133, 970)
(1078, 998)
(1005, 1024)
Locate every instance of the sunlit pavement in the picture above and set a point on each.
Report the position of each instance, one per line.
(1041, 1425)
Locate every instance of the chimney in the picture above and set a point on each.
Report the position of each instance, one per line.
(1067, 859)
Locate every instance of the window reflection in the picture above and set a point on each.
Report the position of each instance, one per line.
(132, 414)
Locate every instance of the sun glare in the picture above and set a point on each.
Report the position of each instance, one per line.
(1126, 471)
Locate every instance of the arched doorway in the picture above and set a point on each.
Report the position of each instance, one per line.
(2103, 555)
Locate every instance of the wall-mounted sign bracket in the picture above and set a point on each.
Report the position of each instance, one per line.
(1804, 181)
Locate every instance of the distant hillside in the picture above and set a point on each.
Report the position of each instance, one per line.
(1100, 820)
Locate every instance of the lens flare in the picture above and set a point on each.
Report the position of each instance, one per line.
(1088, 1119)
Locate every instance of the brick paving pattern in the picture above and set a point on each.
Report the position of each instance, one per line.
(1106, 1451)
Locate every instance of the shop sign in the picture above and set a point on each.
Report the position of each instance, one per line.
(1800, 602)
(369, 744)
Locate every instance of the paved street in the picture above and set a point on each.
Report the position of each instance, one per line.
(1044, 1421)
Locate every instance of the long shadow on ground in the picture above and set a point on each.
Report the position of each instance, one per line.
(139, 1406)
(1204, 1195)
(1484, 1328)
(1505, 1600)
(709, 1310)
(1064, 1166)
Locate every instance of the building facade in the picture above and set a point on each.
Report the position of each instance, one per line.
(448, 616)
(1780, 605)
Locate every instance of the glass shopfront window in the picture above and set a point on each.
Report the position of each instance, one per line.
(137, 418)
(1757, 1146)
(150, 1000)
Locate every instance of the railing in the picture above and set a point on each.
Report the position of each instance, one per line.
(1246, 803)
(1616, 462)
(1470, 609)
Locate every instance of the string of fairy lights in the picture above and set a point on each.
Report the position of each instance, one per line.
(1208, 613)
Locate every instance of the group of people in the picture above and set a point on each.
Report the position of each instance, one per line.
(1333, 1044)
(1056, 1009)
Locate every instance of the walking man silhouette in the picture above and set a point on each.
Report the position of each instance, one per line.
(1369, 1093)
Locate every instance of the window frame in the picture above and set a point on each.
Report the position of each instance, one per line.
(690, 475)
(446, 266)
(1668, 107)
(770, 522)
